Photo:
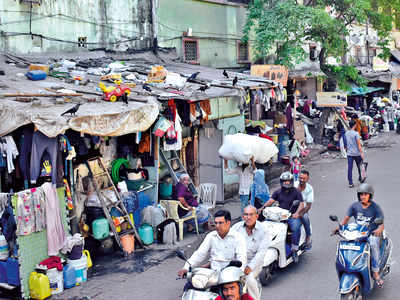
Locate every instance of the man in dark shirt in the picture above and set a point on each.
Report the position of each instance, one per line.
(365, 212)
(285, 196)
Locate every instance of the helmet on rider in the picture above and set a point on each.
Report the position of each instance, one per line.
(365, 188)
(228, 276)
(286, 180)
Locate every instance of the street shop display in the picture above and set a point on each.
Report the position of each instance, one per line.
(242, 147)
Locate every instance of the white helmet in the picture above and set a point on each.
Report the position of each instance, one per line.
(231, 274)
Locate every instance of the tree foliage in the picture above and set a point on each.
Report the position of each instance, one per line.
(285, 26)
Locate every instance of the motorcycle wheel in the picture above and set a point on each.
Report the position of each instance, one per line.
(265, 275)
(354, 295)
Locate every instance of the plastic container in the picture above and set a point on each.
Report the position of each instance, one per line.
(89, 260)
(69, 276)
(3, 272)
(146, 234)
(134, 185)
(100, 229)
(80, 266)
(36, 75)
(128, 243)
(165, 189)
(39, 286)
(13, 272)
(386, 127)
(3, 248)
(56, 281)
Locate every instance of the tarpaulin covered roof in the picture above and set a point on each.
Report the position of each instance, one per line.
(359, 91)
(98, 118)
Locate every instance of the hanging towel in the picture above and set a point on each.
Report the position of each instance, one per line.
(55, 229)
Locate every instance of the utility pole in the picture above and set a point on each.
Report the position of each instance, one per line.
(367, 42)
(154, 25)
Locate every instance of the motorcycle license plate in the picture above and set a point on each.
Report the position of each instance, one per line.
(350, 247)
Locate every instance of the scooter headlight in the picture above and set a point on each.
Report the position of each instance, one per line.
(357, 260)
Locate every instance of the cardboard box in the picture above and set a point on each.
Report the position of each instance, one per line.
(45, 68)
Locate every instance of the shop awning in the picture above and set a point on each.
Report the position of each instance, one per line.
(95, 118)
(359, 91)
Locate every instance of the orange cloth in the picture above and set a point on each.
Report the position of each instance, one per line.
(358, 126)
(144, 145)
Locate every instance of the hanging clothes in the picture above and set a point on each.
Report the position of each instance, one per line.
(55, 228)
(206, 107)
(178, 140)
(25, 153)
(40, 144)
(144, 145)
(11, 152)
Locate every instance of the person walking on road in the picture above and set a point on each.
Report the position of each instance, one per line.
(307, 192)
(246, 174)
(354, 153)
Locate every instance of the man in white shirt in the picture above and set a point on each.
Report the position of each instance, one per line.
(307, 192)
(246, 174)
(257, 240)
(221, 246)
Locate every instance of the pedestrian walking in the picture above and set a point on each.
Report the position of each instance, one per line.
(354, 153)
(246, 174)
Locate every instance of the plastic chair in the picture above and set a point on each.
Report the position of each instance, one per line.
(208, 195)
(172, 211)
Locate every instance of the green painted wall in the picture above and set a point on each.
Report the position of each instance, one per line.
(218, 28)
(104, 22)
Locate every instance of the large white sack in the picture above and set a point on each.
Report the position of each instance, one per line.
(241, 147)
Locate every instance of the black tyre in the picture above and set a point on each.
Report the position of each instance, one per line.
(265, 275)
(355, 294)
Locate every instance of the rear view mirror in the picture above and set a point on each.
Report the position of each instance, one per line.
(181, 254)
(378, 221)
(333, 218)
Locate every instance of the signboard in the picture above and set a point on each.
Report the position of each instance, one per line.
(331, 99)
(276, 73)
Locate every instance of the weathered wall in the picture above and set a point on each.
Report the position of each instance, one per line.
(218, 27)
(111, 24)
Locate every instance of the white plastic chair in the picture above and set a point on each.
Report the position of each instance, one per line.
(208, 195)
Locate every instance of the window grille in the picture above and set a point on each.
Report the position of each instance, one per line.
(190, 50)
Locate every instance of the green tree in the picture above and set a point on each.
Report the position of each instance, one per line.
(287, 25)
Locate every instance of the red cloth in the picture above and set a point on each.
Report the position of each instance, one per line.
(262, 135)
(172, 107)
(244, 297)
(52, 262)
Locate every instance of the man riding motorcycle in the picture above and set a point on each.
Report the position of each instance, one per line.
(365, 211)
(232, 280)
(285, 196)
(257, 239)
(221, 246)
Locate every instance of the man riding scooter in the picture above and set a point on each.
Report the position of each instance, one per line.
(257, 239)
(285, 196)
(365, 211)
(232, 280)
(221, 246)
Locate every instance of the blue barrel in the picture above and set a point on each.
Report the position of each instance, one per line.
(69, 276)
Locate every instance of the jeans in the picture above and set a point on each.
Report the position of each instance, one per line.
(295, 227)
(244, 201)
(374, 242)
(305, 220)
(350, 160)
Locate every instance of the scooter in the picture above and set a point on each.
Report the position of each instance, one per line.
(203, 282)
(353, 260)
(279, 253)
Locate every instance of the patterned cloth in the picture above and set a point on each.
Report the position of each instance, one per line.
(31, 215)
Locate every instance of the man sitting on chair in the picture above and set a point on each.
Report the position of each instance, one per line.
(187, 199)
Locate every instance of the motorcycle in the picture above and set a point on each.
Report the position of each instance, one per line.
(203, 282)
(353, 259)
(279, 252)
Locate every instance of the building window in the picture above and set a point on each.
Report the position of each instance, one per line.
(191, 50)
(243, 52)
(358, 55)
(313, 52)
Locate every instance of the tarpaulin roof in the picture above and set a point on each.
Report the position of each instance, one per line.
(359, 91)
(98, 118)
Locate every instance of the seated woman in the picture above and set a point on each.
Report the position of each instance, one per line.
(259, 191)
(185, 196)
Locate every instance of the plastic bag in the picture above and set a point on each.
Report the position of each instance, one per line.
(241, 147)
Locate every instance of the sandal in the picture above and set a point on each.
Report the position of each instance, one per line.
(379, 283)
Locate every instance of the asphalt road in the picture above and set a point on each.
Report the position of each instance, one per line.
(315, 276)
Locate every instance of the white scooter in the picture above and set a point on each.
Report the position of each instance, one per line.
(279, 253)
(203, 281)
